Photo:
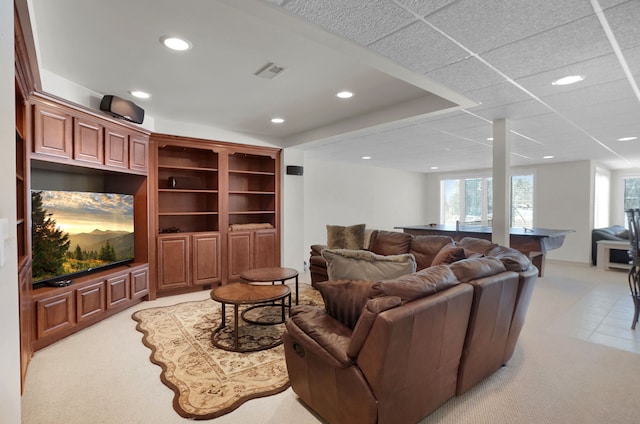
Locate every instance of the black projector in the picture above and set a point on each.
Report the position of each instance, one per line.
(122, 108)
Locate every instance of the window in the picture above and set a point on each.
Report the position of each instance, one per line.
(631, 193)
(470, 201)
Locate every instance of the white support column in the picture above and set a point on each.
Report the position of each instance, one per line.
(501, 182)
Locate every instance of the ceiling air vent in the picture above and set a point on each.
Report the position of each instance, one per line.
(270, 71)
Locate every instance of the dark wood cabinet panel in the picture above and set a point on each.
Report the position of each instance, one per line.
(206, 258)
(173, 262)
(139, 153)
(88, 140)
(240, 252)
(55, 314)
(139, 283)
(53, 132)
(117, 290)
(90, 301)
(116, 148)
(266, 253)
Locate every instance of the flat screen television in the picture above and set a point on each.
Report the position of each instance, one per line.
(74, 233)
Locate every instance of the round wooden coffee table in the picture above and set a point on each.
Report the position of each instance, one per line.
(271, 275)
(237, 294)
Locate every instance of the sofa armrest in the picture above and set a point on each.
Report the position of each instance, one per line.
(316, 249)
(318, 332)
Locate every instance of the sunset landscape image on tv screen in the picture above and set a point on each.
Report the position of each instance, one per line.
(76, 231)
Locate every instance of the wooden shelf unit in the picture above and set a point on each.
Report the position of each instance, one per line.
(201, 187)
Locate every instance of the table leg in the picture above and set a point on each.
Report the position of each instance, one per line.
(296, 290)
(235, 326)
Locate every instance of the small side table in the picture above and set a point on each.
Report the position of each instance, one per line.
(271, 274)
(237, 294)
(604, 247)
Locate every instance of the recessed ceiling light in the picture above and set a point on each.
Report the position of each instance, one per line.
(489, 138)
(277, 120)
(366, 157)
(548, 157)
(571, 79)
(175, 43)
(627, 138)
(140, 94)
(434, 167)
(345, 94)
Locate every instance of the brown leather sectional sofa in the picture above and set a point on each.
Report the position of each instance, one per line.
(394, 351)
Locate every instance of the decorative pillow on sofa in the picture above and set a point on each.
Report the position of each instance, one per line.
(425, 248)
(344, 299)
(449, 254)
(344, 264)
(340, 237)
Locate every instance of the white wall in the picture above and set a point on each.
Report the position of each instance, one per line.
(341, 194)
(564, 201)
(9, 331)
(294, 253)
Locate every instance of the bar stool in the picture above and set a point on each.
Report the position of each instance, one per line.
(633, 217)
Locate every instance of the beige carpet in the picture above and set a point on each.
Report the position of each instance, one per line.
(207, 381)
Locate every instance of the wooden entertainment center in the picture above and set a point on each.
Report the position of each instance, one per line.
(204, 210)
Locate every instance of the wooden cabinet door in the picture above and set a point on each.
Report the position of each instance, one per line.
(139, 283)
(55, 314)
(206, 258)
(90, 301)
(240, 253)
(138, 153)
(173, 262)
(117, 290)
(116, 148)
(265, 252)
(26, 318)
(53, 132)
(88, 141)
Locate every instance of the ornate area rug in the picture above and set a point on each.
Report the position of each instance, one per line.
(209, 382)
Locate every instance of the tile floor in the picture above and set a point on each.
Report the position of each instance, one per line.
(601, 308)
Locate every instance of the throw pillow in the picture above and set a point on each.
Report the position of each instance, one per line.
(344, 264)
(344, 300)
(449, 254)
(340, 237)
(390, 242)
(476, 244)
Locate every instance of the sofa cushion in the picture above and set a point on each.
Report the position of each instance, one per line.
(513, 259)
(473, 269)
(476, 244)
(419, 284)
(340, 237)
(425, 248)
(390, 242)
(344, 299)
(344, 264)
(449, 254)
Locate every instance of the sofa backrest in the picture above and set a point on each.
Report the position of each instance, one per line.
(384, 242)
(412, 353)
(425, 248)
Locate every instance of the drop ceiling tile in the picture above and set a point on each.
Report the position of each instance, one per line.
(358, 20)
(518, 110)
(575, 42)
(420, 48)
(623, 20)
(423, 8)
(485, 25)
(496, 95)
(466, 75)
(596, 71)
(596, 94)
(632, 57)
